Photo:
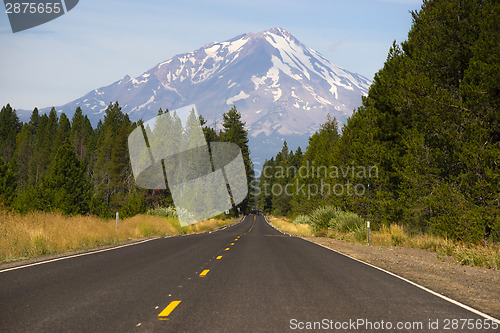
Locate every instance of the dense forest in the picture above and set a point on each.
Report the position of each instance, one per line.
(429, 130)
(423, 150)
(52, 163)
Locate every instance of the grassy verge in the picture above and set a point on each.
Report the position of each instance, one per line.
(39, 233)
(465, 254)
(293, 229)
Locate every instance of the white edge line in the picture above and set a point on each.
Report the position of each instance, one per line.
(406, 280)
(416, 285)
(214, 231)
(98, 251)
(272, 226)
(75, 255)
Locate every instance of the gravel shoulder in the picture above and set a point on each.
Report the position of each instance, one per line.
(476, 287)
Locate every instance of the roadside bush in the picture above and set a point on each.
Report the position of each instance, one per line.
(321, 217)
(360, 233)
(346, 222)
(167, 212)
(302, 219)
(398, 234)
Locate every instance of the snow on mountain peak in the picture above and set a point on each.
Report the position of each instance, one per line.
(283, 89)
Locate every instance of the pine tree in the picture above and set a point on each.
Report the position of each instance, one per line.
(81, 135)
(9, 128)
(234, 131)
(210, 133)
(121, 179)
(7, 183)
(266, 181)
(67, 184)
(45, 146)
(111, 171)
(63, 131)
(282, 197)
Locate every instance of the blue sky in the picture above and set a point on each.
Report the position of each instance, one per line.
(99, 42)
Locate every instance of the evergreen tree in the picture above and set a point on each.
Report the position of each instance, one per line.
(24, 154)
(45, 146)
(7, 183)
(81, 135)
(9, 128)
(266, 181)
(210, 133)
(67, 186)
(234, 131)
(111, 171)
(63, 131)
(284, 169)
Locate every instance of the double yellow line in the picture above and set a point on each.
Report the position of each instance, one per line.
(168, 310)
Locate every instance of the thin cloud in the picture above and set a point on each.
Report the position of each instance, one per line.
(334, 46)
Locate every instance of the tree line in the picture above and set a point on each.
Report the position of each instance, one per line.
(53, 163)
(430, 125)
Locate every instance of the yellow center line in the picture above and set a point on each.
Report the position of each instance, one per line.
(164, 314)
(219, 257)
(204, 273)
(236, 239)
(232, 243)
(227, 249)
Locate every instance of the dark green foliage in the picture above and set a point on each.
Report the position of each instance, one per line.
(234, 131)
(8, 183)
(64, 130)
(112, 178)
(277, 190)
(210, 133)
(135, 204)
(9, 128)
(81, 135)
(67, 166)
(67, 187)
(431, 126)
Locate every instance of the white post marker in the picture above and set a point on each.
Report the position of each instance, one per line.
(116, 220)
(368, 231)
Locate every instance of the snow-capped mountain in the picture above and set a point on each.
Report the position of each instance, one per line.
(283, 89)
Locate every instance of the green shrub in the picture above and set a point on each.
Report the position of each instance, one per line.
(302, 219)
(360, 233)
(329, 217)
(168, 212)
(321, 217)
(346, 222)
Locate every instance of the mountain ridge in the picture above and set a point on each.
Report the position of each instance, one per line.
(283, 89)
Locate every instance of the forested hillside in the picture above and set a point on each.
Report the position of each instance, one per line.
(429, 127)
(53, 163)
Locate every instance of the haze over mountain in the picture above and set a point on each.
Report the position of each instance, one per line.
(283, 89)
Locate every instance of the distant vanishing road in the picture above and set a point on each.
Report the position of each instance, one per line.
(245, 278)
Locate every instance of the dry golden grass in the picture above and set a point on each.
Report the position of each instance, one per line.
(207, 225)
(487, 255)
(45, 233)
(290, 228)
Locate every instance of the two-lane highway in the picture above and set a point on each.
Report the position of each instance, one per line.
(247, 277)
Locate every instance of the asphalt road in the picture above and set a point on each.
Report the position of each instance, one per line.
(245, 278)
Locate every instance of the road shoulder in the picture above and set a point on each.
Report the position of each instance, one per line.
(66, 254)
(474, 286)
